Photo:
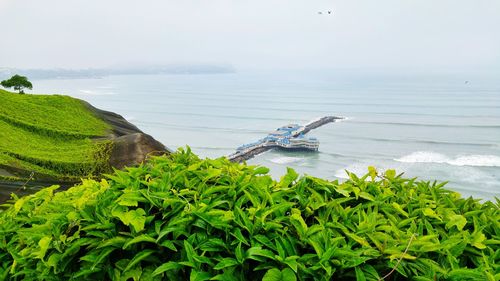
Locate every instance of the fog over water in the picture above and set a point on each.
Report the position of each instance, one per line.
(458, 35)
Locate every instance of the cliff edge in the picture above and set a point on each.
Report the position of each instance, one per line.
(55, 139)
(130, 146)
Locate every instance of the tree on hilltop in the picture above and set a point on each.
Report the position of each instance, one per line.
(18, 82)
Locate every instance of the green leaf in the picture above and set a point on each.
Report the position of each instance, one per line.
(136, 218)
(199, 275)
(275, 274)
(116, 242)
(456, 220)
(360, 276)
(428, 212)
(261, 171)
(190, 253)
(138, 239)
(169, 244)
(398, 208)
(138, 258)
(239, 253)
(130, 198)
(238, 235)
(289, 177)
(358, 239)
(72, 216)
(104, 254)
(227, 275)
(370, 272)
(54, 260)
(212, 173)
(292, 262)
(477, 240)
(373, 172)
(390, 174)
(132, 274)
(254, 252)
(226, 262)
(341, 190)
(166, 267)
(44, 244)
(402, 256)
(19, 204)
(465, 274)
(366, 196)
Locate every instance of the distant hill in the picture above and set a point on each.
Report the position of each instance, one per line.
(58, 73)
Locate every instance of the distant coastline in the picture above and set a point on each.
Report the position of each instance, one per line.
(96, 73)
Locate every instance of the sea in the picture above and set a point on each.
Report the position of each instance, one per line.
(443, 127)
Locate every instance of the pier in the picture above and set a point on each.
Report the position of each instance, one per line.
(287, 137)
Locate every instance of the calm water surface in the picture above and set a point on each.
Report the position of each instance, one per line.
(431, 127)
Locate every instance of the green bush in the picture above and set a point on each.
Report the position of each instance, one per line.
(182, 218)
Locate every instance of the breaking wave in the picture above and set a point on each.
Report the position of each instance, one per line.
(285, 160)
(94, 93)
(462, 160)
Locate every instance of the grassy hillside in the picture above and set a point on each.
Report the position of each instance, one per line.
(50, 135)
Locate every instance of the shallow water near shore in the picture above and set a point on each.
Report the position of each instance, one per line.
(431, 127)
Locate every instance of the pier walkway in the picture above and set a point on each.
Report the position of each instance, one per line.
(248, 151)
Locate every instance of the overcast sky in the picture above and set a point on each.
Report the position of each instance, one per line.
(251, 33)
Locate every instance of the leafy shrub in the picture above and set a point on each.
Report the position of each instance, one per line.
(180, 218)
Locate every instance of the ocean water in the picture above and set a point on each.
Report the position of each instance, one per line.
(434, 127)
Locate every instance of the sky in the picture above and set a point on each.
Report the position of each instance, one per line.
(252, 34)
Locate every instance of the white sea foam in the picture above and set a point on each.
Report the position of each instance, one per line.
(343, 119)
(461, 160)
(285, 160)
(476, 160)
(319, 118)
(424, 157)
(94, 93)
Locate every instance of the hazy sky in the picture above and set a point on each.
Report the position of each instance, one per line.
(251, 33)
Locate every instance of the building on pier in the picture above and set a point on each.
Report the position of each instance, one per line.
(287, 137)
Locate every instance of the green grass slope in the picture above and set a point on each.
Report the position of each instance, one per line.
(51, 135)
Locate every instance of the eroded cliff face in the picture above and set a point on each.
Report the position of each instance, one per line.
(130, 146)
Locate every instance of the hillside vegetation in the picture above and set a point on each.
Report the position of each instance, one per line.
(181, 218)
(51, 135)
